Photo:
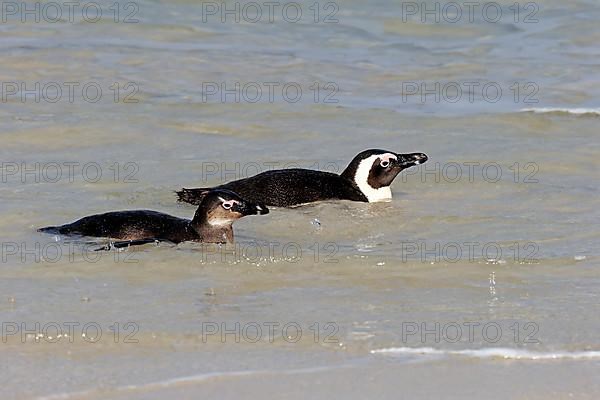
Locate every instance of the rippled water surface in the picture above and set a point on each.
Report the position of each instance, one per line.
(480, 278)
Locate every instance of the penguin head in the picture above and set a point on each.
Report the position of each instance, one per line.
(222, 207)
(374, 170)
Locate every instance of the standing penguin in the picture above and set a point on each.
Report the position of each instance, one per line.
(367, 178)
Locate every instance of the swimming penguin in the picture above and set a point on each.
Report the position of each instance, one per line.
(211, 223)
(367, 178)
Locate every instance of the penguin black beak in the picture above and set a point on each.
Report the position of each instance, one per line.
(411, 159)
(246, 208)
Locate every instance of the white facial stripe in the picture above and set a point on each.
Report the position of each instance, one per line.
(232, 201)
(362, 175)
(388, 157)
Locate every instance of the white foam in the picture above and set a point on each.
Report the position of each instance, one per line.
(151, 385)
(495, 352)
(564, 110)
(183, 380)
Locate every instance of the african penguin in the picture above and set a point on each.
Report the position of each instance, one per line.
(211, 223)
(367, 178)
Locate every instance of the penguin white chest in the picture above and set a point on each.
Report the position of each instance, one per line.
(375, 195)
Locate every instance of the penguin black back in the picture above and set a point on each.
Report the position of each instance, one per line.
(367, 178)
(212, 222)
(285, 188)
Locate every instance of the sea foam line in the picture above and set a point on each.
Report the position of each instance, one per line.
(564, 110)
(495, 352)
(183, 380)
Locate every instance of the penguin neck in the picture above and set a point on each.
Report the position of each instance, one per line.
(349, 174)
(211, 233)
(350, 171)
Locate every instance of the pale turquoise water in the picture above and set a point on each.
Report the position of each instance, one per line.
(386, 276)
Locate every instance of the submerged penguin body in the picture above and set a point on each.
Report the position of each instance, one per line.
(367, 178)
(212, 222)
(285, 188)
(130, 225)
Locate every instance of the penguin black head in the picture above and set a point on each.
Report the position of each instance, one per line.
(374, 170)
(221, 207)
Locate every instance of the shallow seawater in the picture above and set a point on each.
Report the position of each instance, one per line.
(480, 279)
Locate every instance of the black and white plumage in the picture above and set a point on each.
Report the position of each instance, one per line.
(212, 222)
(367, 178)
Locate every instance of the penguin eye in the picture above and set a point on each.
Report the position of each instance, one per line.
(384, 163)
(227, 205)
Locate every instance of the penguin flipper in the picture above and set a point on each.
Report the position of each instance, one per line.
(192, 196)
